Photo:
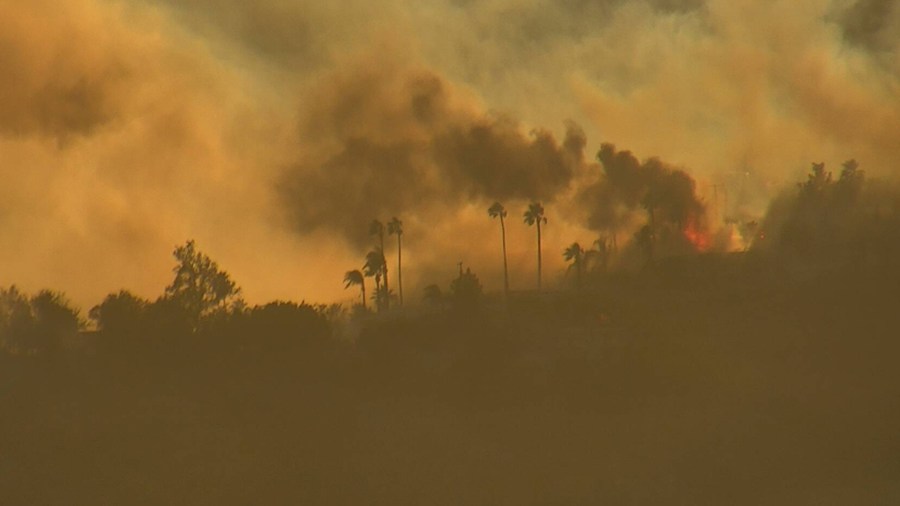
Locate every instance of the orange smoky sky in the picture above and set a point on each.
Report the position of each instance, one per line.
(272, 132)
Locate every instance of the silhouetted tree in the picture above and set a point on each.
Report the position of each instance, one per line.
(535, 216)
(375, 267)
(827, 220)
(382, 296)
(120, 313)
(16, 319)
(395, 227)
(377, 229)
(466, 291)
(850, 183)
(356, 277)
(818, 179)
(35, 325)
(575, 254)
(498, 211)
(200, 287)
(280, 326)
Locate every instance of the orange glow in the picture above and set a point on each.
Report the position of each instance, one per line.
(697, 236)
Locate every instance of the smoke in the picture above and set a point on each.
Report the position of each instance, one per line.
(280, 129)
(629, 193)
(398, 141)
(120, 137)
(60, 87)
(871, 24)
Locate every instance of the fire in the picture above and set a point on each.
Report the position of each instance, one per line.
(697, 236)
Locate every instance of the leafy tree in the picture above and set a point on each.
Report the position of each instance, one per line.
(825, 219)
(498, 211)
(16, 319)
(120, 313)
(356, 277)
(395, 227)
(817, 181)
(280, 326)
(37, 324)
(534, 216)
(850, 184)
(466, 291)
(200, 288)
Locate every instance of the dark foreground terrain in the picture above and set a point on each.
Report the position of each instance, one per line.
(740, 386)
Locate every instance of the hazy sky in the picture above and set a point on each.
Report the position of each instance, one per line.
(273, 131)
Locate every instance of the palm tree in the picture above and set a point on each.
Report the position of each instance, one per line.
(498, 211)
(375, 267)
(355, 277)
(395, 227)
(575, 254)
(535, 216)
(376, 228)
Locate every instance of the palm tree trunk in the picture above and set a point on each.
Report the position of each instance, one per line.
(505, 267)
(539, 255)
(652, 234)
(387, 291)
(377, 299)
(362, 286)
(400, 267)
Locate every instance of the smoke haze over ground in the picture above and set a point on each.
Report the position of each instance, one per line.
(712, 318)
(269, 130)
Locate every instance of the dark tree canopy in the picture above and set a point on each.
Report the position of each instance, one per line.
(200, 287)
(36, 324)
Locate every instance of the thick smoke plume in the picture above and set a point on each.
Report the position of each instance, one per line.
(398, 141)
(129, 126)
(630, 193)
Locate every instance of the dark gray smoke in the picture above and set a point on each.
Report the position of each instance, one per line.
(406, 143)
(867, 23)
(627, 186)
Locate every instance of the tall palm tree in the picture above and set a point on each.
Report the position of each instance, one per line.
(535, 216)
(375, 267)
(395, 227)
(498, 211)
(376, 228)
(575, 254)
(355, 277)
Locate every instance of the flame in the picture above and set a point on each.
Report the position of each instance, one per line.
(697, 236)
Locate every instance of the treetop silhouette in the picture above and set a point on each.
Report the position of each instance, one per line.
(534, 216)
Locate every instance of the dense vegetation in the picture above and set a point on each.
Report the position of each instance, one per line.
(758, 377)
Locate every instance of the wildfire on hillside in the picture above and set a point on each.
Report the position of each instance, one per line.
(697, 235)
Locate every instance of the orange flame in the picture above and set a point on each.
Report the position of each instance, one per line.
(697, 236)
